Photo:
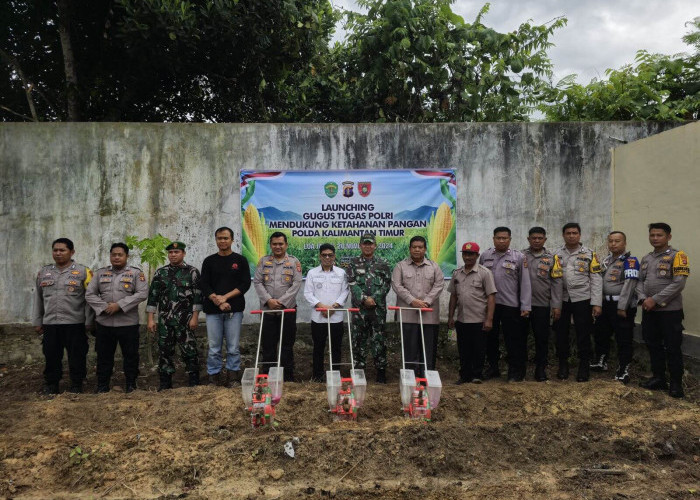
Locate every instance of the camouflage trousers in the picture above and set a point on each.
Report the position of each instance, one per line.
(368, 335)
(168, 337)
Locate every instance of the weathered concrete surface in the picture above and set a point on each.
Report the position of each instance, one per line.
(97, 182)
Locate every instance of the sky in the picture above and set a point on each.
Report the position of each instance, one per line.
(600, 34)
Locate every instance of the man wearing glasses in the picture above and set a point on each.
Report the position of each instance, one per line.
(326, 288)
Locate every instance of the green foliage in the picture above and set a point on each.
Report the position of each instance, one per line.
(166, 60)
(152, 250)
(78, 456)
(417, 61)
(657, 87)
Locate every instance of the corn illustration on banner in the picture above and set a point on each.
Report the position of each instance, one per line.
(338, 206)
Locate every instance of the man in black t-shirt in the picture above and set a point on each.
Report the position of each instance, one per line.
(225, 280)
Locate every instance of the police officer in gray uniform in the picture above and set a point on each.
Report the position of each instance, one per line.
(662, 279)
(277, 280)
(115, 293)
(620, 275)
(513, 302)
(546, 284)
(60, 314)
(583, 291)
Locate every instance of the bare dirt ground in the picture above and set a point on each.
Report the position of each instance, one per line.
(555, 440)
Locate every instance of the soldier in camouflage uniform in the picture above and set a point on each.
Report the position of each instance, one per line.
(175, 293)
(369, 279)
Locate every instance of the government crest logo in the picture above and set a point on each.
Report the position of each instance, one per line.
(364, 188)
(331, 189)
(348, 189)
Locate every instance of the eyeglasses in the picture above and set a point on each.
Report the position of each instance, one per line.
(328, 255)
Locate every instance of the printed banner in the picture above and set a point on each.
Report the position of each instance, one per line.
(337, 207)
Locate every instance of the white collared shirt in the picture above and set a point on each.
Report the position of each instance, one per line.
(327, 287)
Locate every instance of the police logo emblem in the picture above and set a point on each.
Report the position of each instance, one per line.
(71, 289)
(348, 189)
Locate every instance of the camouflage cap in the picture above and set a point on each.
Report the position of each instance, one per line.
(176, 245)
(368, 237)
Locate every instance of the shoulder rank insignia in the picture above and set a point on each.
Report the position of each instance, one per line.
(631, 268)
(557, 271)
(595, 265)
(680, 264)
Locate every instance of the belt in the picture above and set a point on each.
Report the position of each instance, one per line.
(613, 298)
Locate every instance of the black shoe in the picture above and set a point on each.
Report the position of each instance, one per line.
(601, 365)
(541, 373)
(166, 382)
(584, 373)
(461, 381)
(623, 375)
(215, 379)
(492, 373)
(76, 388)
(193, 379)
(563, 372)
(676, 390)
(102, 389)
(130, 386)
(50, 389)
(381, 376)
(653, 384)
(234, 378)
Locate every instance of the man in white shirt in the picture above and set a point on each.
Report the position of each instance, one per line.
(326, 288)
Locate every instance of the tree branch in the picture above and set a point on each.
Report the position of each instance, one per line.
(28, 86)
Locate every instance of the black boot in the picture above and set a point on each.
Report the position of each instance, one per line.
(676, 389)
(130, 386)
(563, 372)
(215, 379)
(194, 379)
(381, 376)
(540, 373)
(654, 384)
(166, 382)
(50, 389)
(102, 386)
(584, 372)
(76, 388)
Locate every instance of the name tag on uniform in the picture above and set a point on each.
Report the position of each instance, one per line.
(46, 283)
(106, 279)
(509, 264)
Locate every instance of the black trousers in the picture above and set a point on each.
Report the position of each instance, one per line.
(271, 338)
(583, 323)
(507, 319)
(74, 340)
(663, 334)
(319, 335)
(106, 340)
(413, 347)
(610, 322)
(539, 321)
(471, 343)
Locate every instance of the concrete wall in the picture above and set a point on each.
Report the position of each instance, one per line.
(96, 183)
(658, 180)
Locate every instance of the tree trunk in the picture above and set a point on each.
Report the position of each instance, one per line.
(72, 103)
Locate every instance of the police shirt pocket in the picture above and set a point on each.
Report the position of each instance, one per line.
(409, 275)
(48, 287)
(72, 287)
(543, 272)
(476, 283)
(336, 280)
(581, 266)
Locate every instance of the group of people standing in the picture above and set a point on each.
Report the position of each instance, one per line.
(514, 292)
(499, 290)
